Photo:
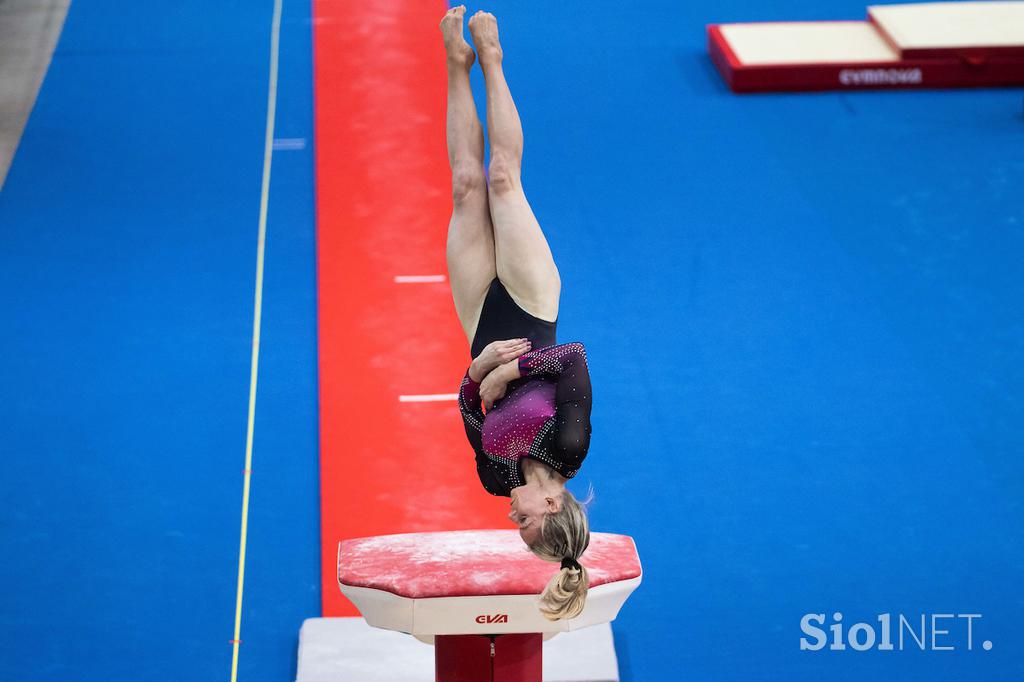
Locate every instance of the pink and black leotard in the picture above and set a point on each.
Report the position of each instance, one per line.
(545, 414)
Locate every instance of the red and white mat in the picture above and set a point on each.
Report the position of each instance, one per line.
(925, 45)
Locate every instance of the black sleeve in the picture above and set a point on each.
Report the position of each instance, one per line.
(472, 413)
(573, 397)
(490, 472)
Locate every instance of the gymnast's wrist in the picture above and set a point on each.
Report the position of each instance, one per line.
(510, 370)
(476, 374)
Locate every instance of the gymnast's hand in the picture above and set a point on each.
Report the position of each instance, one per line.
(492, 388)
(497, 353)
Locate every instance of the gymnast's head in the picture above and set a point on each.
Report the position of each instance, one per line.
(554, 526)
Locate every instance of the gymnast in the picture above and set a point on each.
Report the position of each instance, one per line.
(505, 285)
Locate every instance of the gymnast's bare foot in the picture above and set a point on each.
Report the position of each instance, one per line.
(484, 29)
(459, 51)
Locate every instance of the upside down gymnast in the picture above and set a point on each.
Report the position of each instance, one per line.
(505, 285)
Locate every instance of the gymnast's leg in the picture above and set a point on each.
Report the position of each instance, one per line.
(523, 258)
(470, 248)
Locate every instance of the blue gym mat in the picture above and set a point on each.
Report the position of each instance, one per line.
(802, 314)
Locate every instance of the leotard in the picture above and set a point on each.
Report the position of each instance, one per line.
(545, 415)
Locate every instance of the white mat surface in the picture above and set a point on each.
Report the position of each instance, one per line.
(952, 24)
(807, 42)
(349, 650)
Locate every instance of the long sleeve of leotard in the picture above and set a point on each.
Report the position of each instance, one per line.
(473, 420)
(472, 412)
(573, 395)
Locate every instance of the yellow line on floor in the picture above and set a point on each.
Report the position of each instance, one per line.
(268, 143)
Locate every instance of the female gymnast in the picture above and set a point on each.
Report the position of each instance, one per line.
(505, 285)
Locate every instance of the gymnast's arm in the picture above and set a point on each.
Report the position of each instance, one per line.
(563, 358)
(573, 402)
(490, 473)
(472, 412)
(567, 362)
(572, 421)
(492, 356)
(495, 354)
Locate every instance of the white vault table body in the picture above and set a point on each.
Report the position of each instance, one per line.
(476, 582)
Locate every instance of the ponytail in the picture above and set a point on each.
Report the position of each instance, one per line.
(564, 537)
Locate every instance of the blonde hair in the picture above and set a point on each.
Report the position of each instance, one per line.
(564, 534)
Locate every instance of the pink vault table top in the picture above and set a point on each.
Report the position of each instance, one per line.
(472, 563)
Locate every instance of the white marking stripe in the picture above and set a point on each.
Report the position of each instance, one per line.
(428, 398)
(418, 279)
(289, 143)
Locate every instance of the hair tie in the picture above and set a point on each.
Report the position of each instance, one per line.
(569, 562)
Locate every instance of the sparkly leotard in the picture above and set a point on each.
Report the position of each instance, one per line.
(545, 415)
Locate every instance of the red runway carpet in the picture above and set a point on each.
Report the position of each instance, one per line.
(383, 203)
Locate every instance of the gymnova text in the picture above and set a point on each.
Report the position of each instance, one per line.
(892, 632)
(880, 77)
